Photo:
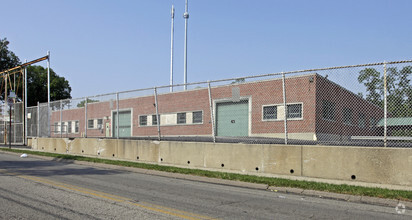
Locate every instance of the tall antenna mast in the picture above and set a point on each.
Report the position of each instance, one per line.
(171, 50)
(186, 17)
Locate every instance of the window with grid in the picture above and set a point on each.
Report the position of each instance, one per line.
(90, 124)
(143, 120)
(69, 127)
(100, 123)
(328, 110)
(154, 120)
(181, 118)
(361, 120)
(56, 127)
(294, 111)
(76, 126)
(64, 126)
(270, 112)
(347, 116)
(197, 117)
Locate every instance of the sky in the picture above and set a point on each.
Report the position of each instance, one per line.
(103, 46)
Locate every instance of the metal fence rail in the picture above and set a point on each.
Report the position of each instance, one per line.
(357, 105)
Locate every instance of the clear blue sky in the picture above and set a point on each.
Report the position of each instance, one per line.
(104, 46)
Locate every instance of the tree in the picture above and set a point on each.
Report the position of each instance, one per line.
(399, 89)
(81, 104)
(239, 80)
(7, 58)
(37, 86)
(36, 79)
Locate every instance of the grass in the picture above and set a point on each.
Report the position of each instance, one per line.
(343, 189)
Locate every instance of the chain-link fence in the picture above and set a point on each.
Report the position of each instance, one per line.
(360, 105)
(12, 123)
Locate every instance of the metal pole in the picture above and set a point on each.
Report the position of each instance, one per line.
(25, 105)
(285, 108)
(157, 113)
(48, 120)
(171, 50)
(117, 119)
(385, 110)
(14, 127)
(14, 106)
(85, 117)
(10, 106)
(61, 121)
(186, 17)
(211, 113)
(38, 119)
(48, 93)
(48, 76)
(6, 104)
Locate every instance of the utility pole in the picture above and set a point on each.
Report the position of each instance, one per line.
(186, 17)
(171, 50)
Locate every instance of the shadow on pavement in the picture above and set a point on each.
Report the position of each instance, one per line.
(32, 166)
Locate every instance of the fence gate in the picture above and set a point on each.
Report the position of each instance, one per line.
(32, 122)
(43, 126)
(12, 123)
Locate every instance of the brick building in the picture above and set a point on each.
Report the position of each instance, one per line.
(317, 109)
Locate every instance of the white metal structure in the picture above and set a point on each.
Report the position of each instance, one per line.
(171, 49)
(186, 16)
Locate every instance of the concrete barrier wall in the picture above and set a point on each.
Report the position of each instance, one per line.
(364, 164)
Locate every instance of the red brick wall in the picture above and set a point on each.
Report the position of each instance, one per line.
(309, 90)
(327, 90)
(298, 89)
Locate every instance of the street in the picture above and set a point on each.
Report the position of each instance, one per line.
(32, 188)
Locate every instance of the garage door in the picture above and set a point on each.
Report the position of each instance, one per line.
(125, 121)
(232, 119)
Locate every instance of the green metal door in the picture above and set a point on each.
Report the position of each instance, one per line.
(232, 119)
(125, 121)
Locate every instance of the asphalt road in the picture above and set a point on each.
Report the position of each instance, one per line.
(32, 188)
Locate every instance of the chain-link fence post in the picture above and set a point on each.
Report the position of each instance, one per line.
(25, 106)
(157, 113)
(385, 109)
(61, 120)
(38, 119)
(117, 114)
(85, 117)
(14, 121)
(211, 112)
(285, 108)
(48, 120)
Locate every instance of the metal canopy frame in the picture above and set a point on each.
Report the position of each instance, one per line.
(22, 69)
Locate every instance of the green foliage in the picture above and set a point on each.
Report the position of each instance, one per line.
(7, 58)
(373, 82)
(402, 133)
(239, 80)
(37, 86)
(81, 104)
(399, 89)
(36, 79)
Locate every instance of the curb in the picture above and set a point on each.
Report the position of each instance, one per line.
(343, 197)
